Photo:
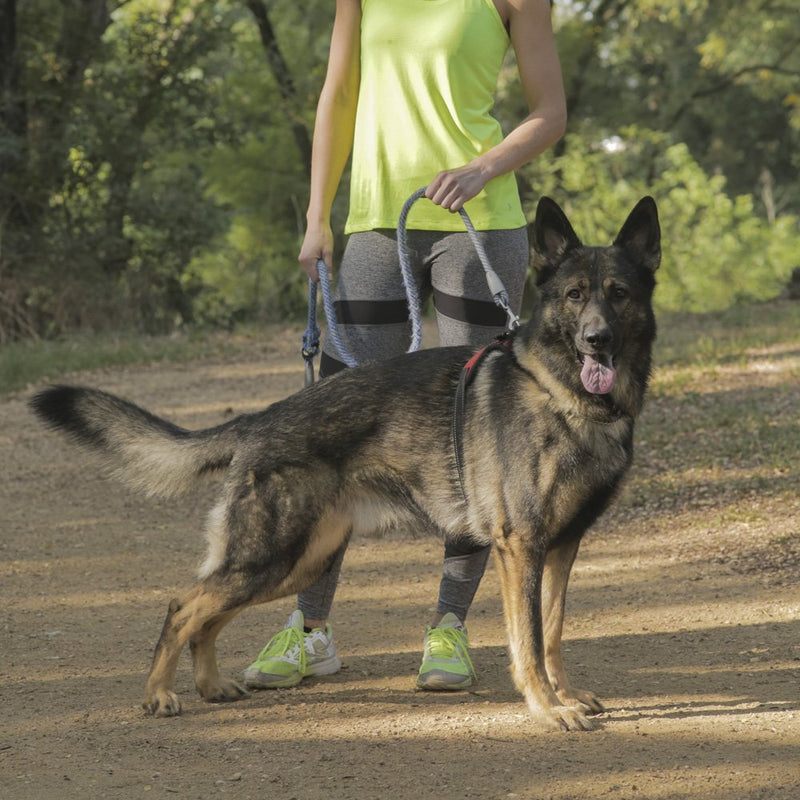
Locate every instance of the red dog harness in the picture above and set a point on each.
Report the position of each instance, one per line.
(503, 343)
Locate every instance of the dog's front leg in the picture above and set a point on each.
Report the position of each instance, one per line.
(521, 567)
(557, 567)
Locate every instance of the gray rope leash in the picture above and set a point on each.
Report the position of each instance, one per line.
(312, 333)
(330, 315)
(496, 286)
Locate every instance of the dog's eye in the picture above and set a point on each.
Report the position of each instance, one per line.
(574, 294)
(619, 293)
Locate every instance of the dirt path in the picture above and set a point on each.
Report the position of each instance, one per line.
(681, 616)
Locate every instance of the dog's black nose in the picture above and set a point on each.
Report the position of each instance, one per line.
(599, 337)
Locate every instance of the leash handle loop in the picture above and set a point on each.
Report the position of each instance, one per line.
(496, 286)
(311, 336)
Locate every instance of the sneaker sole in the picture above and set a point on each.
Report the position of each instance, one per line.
(327, 667)
(438, 683)
(258, 680)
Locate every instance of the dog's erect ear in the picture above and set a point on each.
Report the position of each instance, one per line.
(641, 234)
(552, 234)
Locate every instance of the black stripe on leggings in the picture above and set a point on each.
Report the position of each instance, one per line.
(329, 366)
(371, 312)
(473, 312)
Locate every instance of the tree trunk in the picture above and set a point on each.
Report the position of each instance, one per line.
(13, 117)
(283, 77)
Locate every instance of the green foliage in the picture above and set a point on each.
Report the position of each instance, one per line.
(717, 251)
(723, 337)
(259, 175)
(119, 212)
(154, 172)
(721, 78)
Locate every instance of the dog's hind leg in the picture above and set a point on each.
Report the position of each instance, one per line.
(197, 616)
(557, 567)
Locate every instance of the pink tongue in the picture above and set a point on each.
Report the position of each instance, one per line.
(597, 378)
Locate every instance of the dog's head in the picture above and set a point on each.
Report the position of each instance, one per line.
(596, 313)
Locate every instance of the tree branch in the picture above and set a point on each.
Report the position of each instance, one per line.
(730, 79)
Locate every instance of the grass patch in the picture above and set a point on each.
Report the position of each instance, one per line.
(721, 424)
(32, 362)
(726, 337)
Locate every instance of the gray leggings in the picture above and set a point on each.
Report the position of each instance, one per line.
(372, 313)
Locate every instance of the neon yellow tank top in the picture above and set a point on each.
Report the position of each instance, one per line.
(429, 71)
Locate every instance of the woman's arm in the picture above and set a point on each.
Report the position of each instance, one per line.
(540, 74)
(333, 134)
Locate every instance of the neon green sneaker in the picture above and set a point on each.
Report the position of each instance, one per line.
(292, 655)
(446, 665)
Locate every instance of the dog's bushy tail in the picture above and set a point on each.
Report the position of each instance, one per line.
(147, 452)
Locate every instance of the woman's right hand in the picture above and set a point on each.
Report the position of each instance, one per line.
(317, 244)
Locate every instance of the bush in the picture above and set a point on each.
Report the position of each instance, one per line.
(717, 251)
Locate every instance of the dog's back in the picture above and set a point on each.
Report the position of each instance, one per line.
(356, 423)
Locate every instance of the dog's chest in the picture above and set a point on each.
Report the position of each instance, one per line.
(604, 455)
(587, 457)
(607, 444)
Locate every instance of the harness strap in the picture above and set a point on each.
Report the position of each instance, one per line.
(503, 343)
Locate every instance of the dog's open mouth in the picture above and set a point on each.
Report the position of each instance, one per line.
(597, 373)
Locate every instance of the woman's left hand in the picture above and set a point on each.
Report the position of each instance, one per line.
(454, 187)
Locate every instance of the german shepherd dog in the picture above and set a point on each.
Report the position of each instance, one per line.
(525, 456)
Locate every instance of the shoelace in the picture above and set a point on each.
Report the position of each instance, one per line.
(287, 644)
(445, 643)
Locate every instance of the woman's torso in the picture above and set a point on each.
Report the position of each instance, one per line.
(429, 70)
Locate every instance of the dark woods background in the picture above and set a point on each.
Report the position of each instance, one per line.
(154, 154)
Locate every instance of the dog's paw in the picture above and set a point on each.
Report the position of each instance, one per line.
(584, 701)
(223, 691)
(568, 718)
(162, 703)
